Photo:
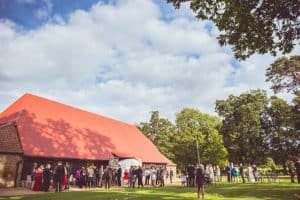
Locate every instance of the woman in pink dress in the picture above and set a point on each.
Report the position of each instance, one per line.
(38, 179)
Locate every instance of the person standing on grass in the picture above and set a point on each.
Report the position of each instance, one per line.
(171, 175)
(68, 174)
(38, 178)
(182, 178)
(242, 173)
(139, 173)
(100, 175)
(251, 174)
(119, 175)
(218, 173)
(90, 172)
(46, 178)
(229, 175)
(60, 173)
(83, 173)
(157, 176)
(147, 176)
(292, 171)
(107, 177)
(297, 166)
(34, 168)
(153, 176)
(77, 176)
(200, 180)
(162, 177)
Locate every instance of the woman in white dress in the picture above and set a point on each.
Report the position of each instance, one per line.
(250, 174)
(211, 172)
(218, 173)
(153, 176)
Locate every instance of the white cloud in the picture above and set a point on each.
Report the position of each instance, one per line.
(45, 10)
(122, 60)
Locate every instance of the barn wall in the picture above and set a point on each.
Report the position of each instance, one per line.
(11, 159)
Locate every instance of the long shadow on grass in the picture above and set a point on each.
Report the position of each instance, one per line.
(263, 191)
(167, 193)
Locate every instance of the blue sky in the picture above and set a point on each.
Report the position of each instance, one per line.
(120, 58)
(25, 12)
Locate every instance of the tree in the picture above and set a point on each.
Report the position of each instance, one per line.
(192, 127)
(251, 26)
(296, 113)
(281, 135)
(241, 129)
(160, 131)
(284, 73)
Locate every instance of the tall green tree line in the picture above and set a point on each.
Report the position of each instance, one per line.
(256, 127)
(251, 128)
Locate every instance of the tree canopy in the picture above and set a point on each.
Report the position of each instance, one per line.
(161, 132)
(284, 74)
(194, 126)
(241, 128)
(178, 141)
(251, 26)
(256, 127)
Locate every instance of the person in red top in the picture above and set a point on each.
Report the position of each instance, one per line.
(65, 180)
(125, 178)
(38, 179)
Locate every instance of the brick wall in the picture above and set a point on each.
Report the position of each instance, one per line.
(10, 156)
(9, 142)
(8, 169)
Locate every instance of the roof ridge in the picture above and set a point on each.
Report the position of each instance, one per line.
(69, 106)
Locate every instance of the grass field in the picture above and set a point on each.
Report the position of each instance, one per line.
(269, 191)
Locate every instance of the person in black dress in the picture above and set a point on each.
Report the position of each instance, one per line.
(46, 178)
(200, 180)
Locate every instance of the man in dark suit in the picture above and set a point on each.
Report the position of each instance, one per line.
(119, 174)
(139, 173)
(60, 173)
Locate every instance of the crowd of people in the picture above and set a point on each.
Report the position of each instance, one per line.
(61, 176)
(152, 176)
(237, 173)
(42, 176)
(188, 176)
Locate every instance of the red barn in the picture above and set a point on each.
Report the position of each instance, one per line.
(35, 129)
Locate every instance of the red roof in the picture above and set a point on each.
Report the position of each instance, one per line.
(51, 129)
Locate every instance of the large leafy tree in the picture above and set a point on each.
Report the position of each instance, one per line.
(195, 127)
(161, 132)
(251, 26)
(241, 129)
(281, 136)
(284, 74)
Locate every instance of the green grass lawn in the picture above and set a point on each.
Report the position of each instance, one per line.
(270, 191)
